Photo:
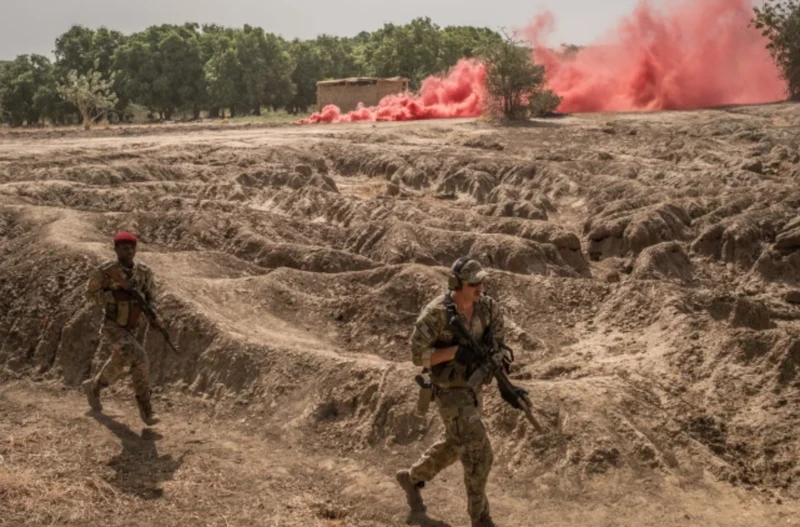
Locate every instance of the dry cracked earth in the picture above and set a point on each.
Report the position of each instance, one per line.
(648, 266)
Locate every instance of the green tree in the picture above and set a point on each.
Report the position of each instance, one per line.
(210, 41)
(512, 79)
(162, 69)
(410, 51)
(309, 68)
(460, 42)
(278, 64)
(248, 69)
(83, 50)
(222, 74)
(543, 103)
(90, 93)
(779, 21)
(27, 90)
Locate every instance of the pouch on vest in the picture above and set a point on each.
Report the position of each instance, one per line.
(133, 316)
(425, 394)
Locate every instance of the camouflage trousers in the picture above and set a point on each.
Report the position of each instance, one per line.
(464, 438)
(127, 354)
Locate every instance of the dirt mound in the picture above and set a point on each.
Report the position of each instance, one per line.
(665, 261)
(736, 241)
(788, 240)
(629, 229)
(749, 314)
(294, 262)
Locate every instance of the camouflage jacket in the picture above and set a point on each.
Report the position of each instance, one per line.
(431, 332)
(100, 291)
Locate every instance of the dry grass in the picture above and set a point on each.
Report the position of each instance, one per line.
(61, 467)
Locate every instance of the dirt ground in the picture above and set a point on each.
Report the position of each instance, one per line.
(648, 266)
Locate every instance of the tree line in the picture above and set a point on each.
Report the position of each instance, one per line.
(190, 69)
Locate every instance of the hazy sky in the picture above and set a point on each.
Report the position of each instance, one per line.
(31, 26)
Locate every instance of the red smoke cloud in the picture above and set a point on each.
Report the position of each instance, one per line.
(460, 94)
(693, 54)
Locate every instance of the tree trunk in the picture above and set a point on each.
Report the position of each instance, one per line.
(233, 112)
(257, 111)
(213, 113)
(87, 122)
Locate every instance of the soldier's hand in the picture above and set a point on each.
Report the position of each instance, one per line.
(497, 358)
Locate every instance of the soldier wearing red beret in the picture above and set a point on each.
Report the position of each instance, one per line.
(121, 331)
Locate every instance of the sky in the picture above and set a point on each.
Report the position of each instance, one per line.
(31, 26)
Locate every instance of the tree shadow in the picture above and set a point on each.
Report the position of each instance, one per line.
(139, 468)
(537, 122)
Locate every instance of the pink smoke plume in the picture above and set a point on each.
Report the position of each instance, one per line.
(460, 94)
(692, 54)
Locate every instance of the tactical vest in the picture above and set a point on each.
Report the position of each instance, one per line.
(124, 313)
(453, 374)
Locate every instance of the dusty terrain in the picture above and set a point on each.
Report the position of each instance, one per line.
(648, 266)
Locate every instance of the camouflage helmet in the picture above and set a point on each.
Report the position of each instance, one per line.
(465, 270)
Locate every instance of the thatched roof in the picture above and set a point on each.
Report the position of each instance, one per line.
(360, 80)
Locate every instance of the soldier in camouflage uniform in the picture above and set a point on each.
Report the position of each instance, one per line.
(121, 331)
(434, 347)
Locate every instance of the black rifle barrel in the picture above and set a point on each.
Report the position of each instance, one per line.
(503, 381)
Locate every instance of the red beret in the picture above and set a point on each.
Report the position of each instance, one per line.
(125, 237)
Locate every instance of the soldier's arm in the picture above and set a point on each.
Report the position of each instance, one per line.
(502, 354)
(426, 331)
(150, 288)
(96, 291)
(498, 324)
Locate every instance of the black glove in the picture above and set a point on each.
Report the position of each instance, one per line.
(513, 397)
(466, 356)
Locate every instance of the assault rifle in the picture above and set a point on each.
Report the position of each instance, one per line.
(142, 302)
(488, 367)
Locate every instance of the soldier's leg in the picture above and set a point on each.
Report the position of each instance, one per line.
(477, 458)
(140, 370)
(112, 369)
(140, 378)
(439, 456)
(114, 338)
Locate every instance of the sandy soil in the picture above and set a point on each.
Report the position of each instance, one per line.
(648, 266)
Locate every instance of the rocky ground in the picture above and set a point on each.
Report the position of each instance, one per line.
(648, 266)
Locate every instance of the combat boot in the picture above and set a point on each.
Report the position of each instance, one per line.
(92, 395)
(413, 495)
(146, 411)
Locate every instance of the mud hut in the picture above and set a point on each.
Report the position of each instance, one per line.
(347, 93)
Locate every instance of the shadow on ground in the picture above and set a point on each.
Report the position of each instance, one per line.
(139, 468)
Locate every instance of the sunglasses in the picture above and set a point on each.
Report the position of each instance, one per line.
(474, 285)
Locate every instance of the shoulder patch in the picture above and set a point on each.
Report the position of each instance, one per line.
(423, 328)
(108, 265)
